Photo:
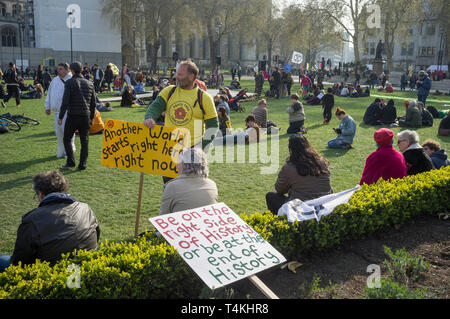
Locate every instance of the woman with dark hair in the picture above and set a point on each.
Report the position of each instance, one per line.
(389, 113)
(224, 121)
(305, 176)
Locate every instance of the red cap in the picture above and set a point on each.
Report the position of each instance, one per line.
(384, 137)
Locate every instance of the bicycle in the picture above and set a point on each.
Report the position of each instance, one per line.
(10, 124)
(21, 119)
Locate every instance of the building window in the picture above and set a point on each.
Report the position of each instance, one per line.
(16, 10)
(408, 49)
(2, 9)
(431, 30)
(9, 37)
(369, 48)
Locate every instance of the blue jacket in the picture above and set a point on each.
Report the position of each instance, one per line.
(348, 128)
(440, 159)
(424, 89)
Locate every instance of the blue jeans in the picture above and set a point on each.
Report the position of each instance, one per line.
(5, 261)
(339, 144)
(422, 98)
(295, 127)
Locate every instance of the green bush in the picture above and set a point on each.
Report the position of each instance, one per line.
(372, 208)
(403, 268)
(150, 268)
(144, 269)
(394, 290)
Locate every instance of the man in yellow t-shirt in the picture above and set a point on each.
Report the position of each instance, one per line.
(185, 105)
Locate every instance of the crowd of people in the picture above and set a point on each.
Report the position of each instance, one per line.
(61, 224)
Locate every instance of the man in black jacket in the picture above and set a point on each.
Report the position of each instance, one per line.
(373, 113)
(12, 85)
(58, 226)
(97, 73)
(277, 82)
(79, 102)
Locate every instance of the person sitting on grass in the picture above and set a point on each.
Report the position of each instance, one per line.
(192, 188)
(224, 121)
(389, 114)
(249, 136)
(373, 113)
(129, 98)
(385, 162)
(296, 116)
(104, 107)
(444, 126)
(417, 161)
(427, 118)
(223, 101)
(389, 88)
(305, 176)
(37, 93)
(58, 226)
(346, 131)
(437, 155)
(413, 116)
(345, 91)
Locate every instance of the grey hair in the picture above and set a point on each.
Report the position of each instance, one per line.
(411, 136)
(412, 103)
(193, 162)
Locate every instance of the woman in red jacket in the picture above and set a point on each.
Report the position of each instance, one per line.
(385, 162)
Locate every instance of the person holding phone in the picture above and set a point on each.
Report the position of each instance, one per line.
(345, 133)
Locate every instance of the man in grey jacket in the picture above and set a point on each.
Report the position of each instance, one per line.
(58, 226)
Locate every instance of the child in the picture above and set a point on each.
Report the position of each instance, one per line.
(224, 121)
(249, 136)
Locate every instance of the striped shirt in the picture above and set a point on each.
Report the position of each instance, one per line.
(260, 114)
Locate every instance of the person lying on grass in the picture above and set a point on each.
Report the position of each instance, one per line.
(249, 136)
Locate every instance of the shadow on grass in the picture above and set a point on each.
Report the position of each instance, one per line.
(15, 183)
(329, 152)
(46, 134)
(19, 166)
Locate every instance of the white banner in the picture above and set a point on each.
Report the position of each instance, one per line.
(218, 245)
(297, 57)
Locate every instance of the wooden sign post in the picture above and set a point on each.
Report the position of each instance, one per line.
(138, 213)
(134, 147)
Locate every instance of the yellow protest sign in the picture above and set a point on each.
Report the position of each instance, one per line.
(134, 147)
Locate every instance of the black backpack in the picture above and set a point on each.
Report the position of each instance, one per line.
(433, 111)
(3, 129)
(199, 98)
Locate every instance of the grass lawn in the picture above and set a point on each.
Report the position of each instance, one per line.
(112, 193)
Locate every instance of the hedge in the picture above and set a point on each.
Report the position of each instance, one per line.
(151, 268)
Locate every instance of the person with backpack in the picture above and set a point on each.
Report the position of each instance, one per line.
(46, 80)
(185, 104)
(12, 85)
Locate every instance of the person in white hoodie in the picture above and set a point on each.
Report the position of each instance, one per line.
(53, 103)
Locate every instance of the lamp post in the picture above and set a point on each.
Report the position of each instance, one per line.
(21, 27)
(71, 42)
(134, 46)
(218, 29)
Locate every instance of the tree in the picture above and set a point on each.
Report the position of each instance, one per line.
(396, 17)
(156, 17)
(232, 15)
(305, 29)
(350, 16)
